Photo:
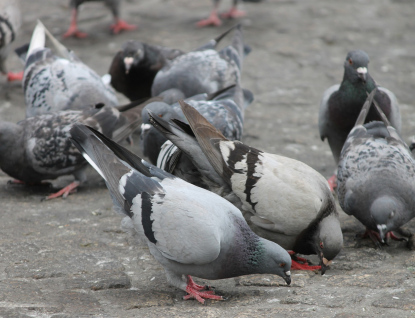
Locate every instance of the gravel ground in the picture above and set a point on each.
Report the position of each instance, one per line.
(68, 258)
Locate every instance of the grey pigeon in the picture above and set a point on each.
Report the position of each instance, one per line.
(113, 5)
(10, 21)
(38, 148)
(53, 83)
(189, 231)
(214, 19)
(282, 199)
(376, 176)
(224, 110)
(202, 71)
(341, 104)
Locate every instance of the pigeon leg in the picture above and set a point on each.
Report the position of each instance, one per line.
(233, 13)
(15, 76)
(121, 25)
(70, 188)
(212, 20)
(73, 28)
(195, 292)
(300, 263)
(332, 181)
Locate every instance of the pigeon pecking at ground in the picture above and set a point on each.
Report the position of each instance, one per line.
(283, 200)
(214, 20)
(341, 104)
(38, 148)
(114, 5)
(52, 83)
(189, 231)
(201, 71)
(376, 177)
(10, 21)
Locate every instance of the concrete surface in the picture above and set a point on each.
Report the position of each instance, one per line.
(68, 258)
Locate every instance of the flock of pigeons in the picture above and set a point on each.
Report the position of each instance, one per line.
(206, 204)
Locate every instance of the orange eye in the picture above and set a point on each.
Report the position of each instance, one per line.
(160, 115)
(321, 245)
(282, 265)
(350, 61)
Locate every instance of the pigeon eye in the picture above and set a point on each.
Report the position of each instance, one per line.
(350, 61)
(321, 245)
(282, 265)
(160, 115)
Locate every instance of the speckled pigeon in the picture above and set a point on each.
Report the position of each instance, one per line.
(376, 176)
(53, 83)
(213, 18)
(282, 199)
(10, 21)
(113, 5)
(341, 104)
(38, 148)
(202, 71)
(189, 230)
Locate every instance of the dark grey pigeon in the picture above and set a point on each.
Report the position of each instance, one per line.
(113, 5)
(376, 176)
(38, 148)
(202, 71)
(10, 22)
(341, 103)
(224, 110)
(283, 200)
(134, 67)
(189, 231)
(53, 83)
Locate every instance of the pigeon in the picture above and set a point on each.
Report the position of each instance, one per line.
(202, 71)
(53, 83)
(38, 148)
(214, 20)
(10, 22)
(189, 231)
(376, 176)
(283, 200)
(114, 5)
(341, 104)
(134, 67)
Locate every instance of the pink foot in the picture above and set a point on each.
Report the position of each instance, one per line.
(73, 31)
(300, 263)
(121, 25)
(332, 181)
(70, 188)
(15, 76)
(233, 13)
(212, 20)
(195, 291)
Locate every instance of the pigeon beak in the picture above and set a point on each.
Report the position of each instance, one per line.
(381, 229)
(325, 263)
(362, 73)
(145, 127)
(287, 277)
(128, 61)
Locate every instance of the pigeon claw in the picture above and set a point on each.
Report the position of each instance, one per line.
(300, 263)
(332, 181)
(15, 76)
(70, 188)
(198, 292)
(233, 13)
(121, 25)
(213, 20)
(74, 32)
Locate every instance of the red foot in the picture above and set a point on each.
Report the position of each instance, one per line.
(233, 13)
(121, 25)
(332, 181)
(15, 76)
(375, 236)
(70, 188)
(73, 31)
(195, 291)
(212, 20)
(300, 263)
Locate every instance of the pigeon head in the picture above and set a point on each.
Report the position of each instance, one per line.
(385, 210)
(151, 138)
(132, 54)
(356, 66)
(275, 261)
(329, 241)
